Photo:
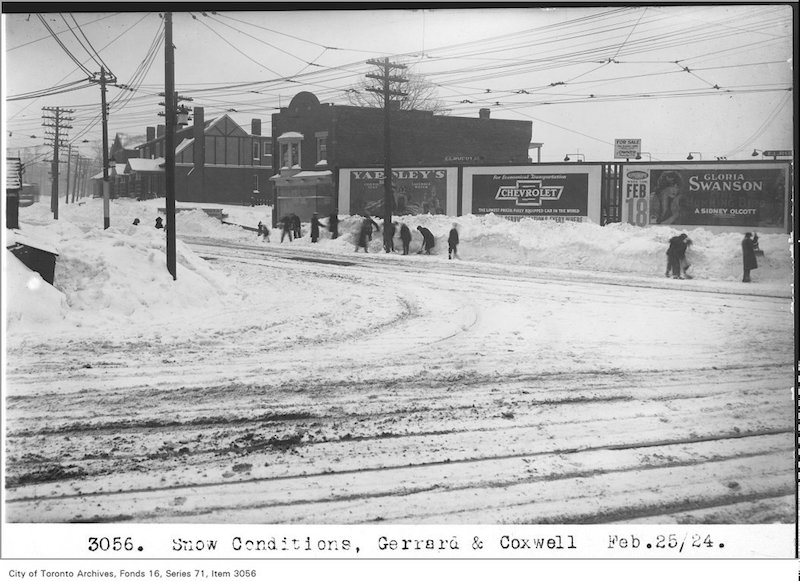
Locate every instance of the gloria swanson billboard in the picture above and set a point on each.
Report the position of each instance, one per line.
(723, 195)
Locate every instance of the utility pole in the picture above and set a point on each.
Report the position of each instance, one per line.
(76, 179)
(56, 118)
(170, 104)
(69, 163)
(386, 79)
(104, 79)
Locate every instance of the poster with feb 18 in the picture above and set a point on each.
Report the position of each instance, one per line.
(751, 195)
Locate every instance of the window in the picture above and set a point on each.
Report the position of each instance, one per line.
(322, 146)
(290, 150)
(290, 154)
(256, 150)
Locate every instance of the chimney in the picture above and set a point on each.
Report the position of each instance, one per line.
(151, 133)
(255, 125)
(197, 180)
(484, 113)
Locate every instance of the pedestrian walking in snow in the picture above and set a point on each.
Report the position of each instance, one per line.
(405, 237)
(749, 261)
(428, 241)
(159, 223)
(286, 227)
(452, 242)
(315, 226)
(333, 223)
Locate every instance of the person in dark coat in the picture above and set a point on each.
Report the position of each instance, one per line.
(286, 227)
(315, 226)
(389, 230)
(263, 231)
(333, 223)
(364, 234)
(428, 241)
(749, 261)
(159, 223)
(405, 236)
(452, 242)
(372, 224)
(298, 232)
(676, 255)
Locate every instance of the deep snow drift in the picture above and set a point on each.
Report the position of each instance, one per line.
(109, 279)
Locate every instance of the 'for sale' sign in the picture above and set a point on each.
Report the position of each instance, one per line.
(627, 148)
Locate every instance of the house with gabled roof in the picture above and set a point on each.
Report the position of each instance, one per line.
(215, 162)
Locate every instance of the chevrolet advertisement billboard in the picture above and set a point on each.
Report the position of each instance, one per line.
(560, 192)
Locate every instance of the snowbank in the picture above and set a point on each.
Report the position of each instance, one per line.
(118, 276)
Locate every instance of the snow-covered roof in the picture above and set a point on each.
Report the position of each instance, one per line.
(14, 237)
(13, 181)
(290, 135)
(313, 174)
(119, 168)
(185, 144)
(145, 165)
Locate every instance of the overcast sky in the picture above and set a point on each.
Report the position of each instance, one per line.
(714, 80)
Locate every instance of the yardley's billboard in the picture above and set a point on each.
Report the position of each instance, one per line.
(738, 195)
(414, 190)
(561, 192)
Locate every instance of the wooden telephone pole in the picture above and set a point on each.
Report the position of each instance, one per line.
(170, 105)
(56, 119)
(386, 90)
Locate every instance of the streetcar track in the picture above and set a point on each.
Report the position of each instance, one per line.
(421, 465)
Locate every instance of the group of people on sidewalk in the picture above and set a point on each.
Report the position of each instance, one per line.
(428, 240)
(678, 265)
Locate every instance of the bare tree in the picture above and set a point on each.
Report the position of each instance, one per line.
(420, 95)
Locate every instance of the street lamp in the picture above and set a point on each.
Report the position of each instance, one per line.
(580, 157)
(690, 157)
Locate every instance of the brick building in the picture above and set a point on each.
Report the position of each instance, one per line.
(311, 141)
(215, 162)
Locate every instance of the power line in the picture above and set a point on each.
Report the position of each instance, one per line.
(102, 62)
(63, 46)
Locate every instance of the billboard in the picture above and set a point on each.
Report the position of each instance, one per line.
(566, 191)
(746, 195)
(420, 190)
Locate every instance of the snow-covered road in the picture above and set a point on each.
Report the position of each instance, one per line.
(363, 388)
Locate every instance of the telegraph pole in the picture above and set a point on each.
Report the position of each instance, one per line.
(103, 80)
(77, 178)
(69, 163)
(56, 120)
(170, 103)
(386, 79)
